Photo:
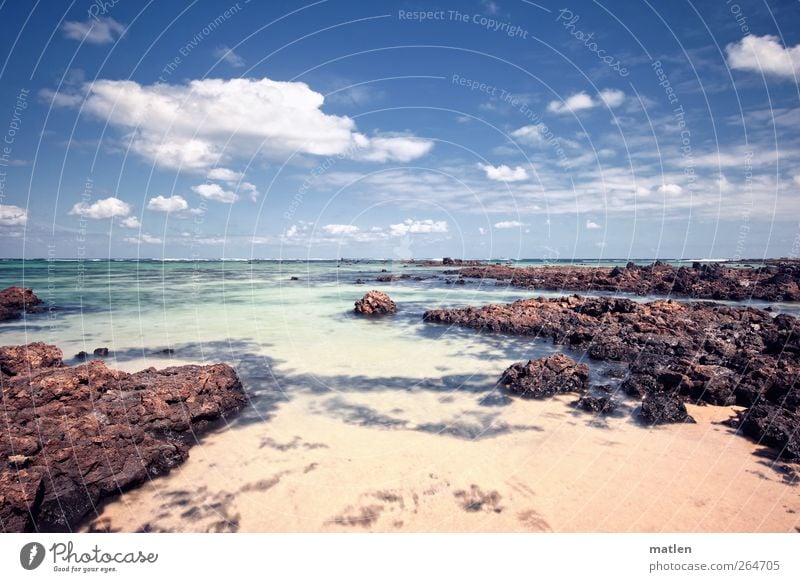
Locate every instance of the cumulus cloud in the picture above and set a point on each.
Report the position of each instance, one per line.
(591, 225)
(670, 189)
(103, 208)
(130, 222)
(226, 54)
(13, 215)
(410, 226)
(340, 229)
(95, 31)
(190, 126)
(144, 239)
(530, 134)
(764, 54)
(506, 224)
(172, 204)
(581, 101)
(504, 173)
(215, 192)
(225, 175)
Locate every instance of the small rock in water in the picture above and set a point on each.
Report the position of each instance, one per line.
(101, 352)
(81, 355)
(375, 303)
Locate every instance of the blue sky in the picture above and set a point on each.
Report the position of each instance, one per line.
(399, 129)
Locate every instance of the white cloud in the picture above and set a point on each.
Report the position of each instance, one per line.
(571, 104)
(249, 188)
(174, 203)
(581, 101)
(482, 231)
(397, 148)
(591, 225)
(130, 222)
(504, 173)
(215, 192)
(410, 226)
(506, 224)
(226, 54)
(225, 175)
(12, 215)
(612, 97)
(104, 208)
(144, 239)
(670, 189)
(340, 229)
(203, 123)
(796, 179)
(764, 54)
(95, 30)
(530, 134)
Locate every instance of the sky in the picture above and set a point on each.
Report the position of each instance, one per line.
(473, 129)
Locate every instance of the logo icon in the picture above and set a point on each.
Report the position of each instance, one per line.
(31, 555)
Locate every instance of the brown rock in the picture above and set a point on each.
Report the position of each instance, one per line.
(14, 301)
(546, 376)
(98, 431)
(375, 303)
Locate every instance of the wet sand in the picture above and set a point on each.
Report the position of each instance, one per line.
(387, 462)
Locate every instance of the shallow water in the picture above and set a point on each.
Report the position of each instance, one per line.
(386, 424)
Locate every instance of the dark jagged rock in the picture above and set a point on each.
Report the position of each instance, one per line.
(780, 282)
(698, 352)
(772, 426)
(375, 303)
(82, 356)
(15, 301)
(596, 404)
(663, 408)
(72, 436)
(101, 352)
(546, 376)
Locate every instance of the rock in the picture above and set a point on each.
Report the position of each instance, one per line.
(546, 376)
(17, 360)
(294, 278)
(16, 301)
(166, 352)
(102, 352)
(596, 404)
(375, 303)
(82, 356)
(83, 433)
(772, 426)
(663, 408)
(710, 281)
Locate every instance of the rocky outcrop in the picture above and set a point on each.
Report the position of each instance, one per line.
(663, 408)
(72, 436)
(16, 301)
(375, 303)
(771, 426)
(596, 404)
(546, 377)
(697, 352)
(774, 282)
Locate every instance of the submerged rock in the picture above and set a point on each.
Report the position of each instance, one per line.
(15, 301)
(375, 303)
(75, 435)
(546, 376)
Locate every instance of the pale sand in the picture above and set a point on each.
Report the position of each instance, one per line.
(316, 465)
